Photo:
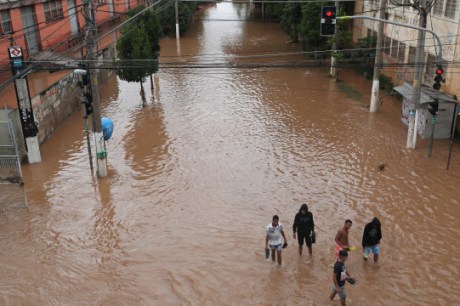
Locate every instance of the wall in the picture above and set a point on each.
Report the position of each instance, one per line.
(52, 106)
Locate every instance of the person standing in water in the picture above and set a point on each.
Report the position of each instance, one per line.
(305, 228)
(341, 239)
(273, 239)
(339, 276)
(371, 239)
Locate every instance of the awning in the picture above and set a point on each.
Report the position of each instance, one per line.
(427, 94)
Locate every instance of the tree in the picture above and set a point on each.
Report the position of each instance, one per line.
(290, 20)
(309, 27)
(168, 18)
(138, 49)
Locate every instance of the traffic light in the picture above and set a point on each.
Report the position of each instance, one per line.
(328, 21)
(438, 78)
(88, 105)
(433, 107)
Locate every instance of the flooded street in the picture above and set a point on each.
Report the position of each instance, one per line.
(196, 176)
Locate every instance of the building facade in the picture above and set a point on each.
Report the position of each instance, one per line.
(400, 43)
(54, 25)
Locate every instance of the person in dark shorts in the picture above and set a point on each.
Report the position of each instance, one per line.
(305, 228)
(339, 276)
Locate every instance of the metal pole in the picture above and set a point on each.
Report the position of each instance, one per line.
(378, 60)
(436, 36)
(176, 6)
(452, 136)
(433, 125)
(101, 153)
(84, 101)
(416, 86)
(333, 71)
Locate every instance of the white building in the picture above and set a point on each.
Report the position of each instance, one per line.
(400, 42)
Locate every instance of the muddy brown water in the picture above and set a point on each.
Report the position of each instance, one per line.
(195, 177)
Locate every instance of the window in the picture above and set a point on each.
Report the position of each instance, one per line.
(53, 10)
(100, 2)
(394, 48)
(387, 45)
(451, 8)
(6, 26)
(401, 52)
(438, 6)
(412, 53)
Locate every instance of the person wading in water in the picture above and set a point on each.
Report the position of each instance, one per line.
(305, 228)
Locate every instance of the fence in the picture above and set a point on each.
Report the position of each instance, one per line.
(12, 193)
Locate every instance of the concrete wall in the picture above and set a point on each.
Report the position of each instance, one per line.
(54, 104)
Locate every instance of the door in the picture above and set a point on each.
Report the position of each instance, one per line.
(30, 29)
(73, 17)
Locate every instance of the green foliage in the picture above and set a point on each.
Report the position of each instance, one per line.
(272, 11)
(290, 20)
(364, 55)
(168, 18)
(138, 48)
(386, 83)
(310, 27)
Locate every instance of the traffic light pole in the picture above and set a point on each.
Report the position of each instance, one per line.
(433, 125)
(439, 46)
(101, 153)
(333, 72)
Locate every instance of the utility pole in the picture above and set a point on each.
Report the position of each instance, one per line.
(333, 71)
(378, 60)
(416, 86)
(101, 153)
(176, 6)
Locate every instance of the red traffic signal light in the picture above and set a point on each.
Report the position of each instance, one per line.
(438, 78)
(328, 21)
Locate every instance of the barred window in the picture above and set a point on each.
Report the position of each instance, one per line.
(6, 26)
(451, 8)
(394, 48)
(53, 10)
(412, 53)
(438, 7)
(387, 45)
(401, 52)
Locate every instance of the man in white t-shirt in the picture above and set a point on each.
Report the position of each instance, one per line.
(273, 240)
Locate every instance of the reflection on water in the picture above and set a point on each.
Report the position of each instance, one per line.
(196, 176)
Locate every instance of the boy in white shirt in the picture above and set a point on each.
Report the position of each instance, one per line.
(273, 240)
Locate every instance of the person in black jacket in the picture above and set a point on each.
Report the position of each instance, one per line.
(305, 228)
(371, 239)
